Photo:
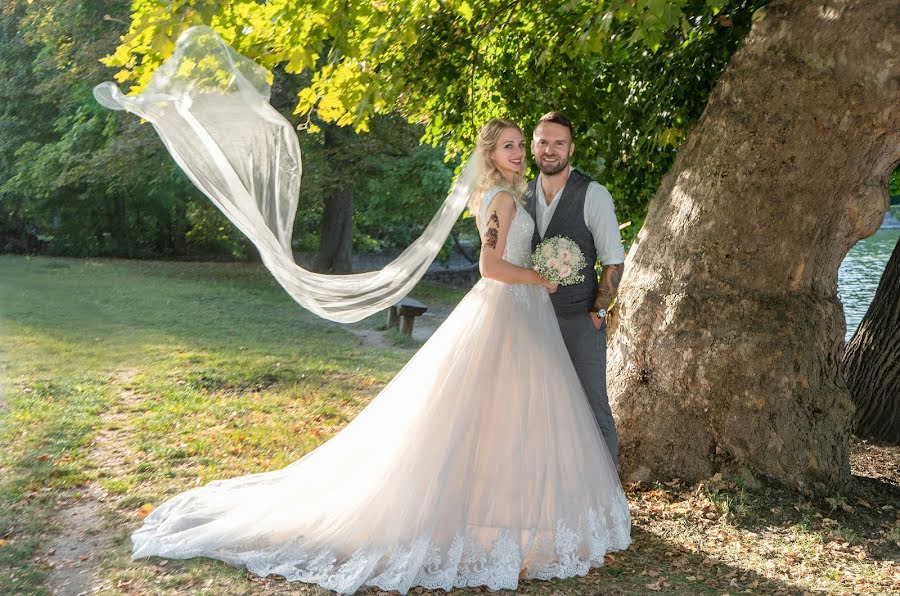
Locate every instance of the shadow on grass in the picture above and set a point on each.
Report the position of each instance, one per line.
(864, 514)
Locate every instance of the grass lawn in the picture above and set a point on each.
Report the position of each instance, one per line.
(124, 383)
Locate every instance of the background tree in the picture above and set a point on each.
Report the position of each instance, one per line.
(633, 74)
(871, 365)
(25, 116)
(76, 179)
(81, 179)
(632, 108)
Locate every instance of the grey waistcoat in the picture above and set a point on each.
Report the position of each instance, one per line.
(568, 221)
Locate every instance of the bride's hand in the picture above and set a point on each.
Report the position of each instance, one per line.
(538, 280)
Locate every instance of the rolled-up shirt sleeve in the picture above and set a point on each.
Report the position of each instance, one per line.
(600, 219)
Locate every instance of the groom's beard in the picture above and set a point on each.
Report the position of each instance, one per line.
(551, 169)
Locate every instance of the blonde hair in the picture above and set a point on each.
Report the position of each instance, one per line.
(489, 176)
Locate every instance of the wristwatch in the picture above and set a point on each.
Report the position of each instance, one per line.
(600, 312)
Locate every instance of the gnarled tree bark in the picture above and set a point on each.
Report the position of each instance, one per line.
(871, 362)
(728, 343)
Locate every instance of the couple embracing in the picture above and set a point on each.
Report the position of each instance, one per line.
(490, 457)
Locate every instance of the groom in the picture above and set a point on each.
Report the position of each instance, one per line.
(565, 202)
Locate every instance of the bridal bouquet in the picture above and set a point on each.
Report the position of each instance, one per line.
(559, 260)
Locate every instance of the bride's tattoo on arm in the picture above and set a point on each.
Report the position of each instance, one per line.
(493, 231)
(609, 285)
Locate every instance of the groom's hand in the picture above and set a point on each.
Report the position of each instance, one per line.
(597, 321)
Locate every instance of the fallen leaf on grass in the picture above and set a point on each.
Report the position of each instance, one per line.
(655, 586)
(145, 510)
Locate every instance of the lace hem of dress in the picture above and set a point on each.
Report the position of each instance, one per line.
(563, 552)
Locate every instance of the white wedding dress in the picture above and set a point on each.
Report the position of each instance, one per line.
(481, 458)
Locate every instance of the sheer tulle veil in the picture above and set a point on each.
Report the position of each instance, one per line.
(210, 106)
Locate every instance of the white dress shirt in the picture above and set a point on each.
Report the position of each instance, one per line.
(599, 217)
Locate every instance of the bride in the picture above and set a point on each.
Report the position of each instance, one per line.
(480, 463)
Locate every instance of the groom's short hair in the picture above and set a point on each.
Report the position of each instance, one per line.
(557, 118)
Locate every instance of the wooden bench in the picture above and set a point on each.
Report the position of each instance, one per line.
(404, 314)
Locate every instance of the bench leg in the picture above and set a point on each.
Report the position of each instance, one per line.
(406, 324)
(393, 319)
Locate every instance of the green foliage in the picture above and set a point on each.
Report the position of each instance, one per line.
(76, 179)
(894, 187)
(79, 180)
(210, 231)
(632, 74)
(400, 189)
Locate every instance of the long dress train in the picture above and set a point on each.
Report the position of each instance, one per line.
(481, 458)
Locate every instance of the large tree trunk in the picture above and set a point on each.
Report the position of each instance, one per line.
(871, 363)
(336, 238)
(726, 352)
(336, 241)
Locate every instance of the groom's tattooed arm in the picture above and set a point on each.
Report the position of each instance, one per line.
(493, 231)
(609, 285)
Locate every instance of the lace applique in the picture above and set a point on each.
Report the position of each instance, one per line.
(399, 565)
(438, 573)
(566, 551)
(519, 292)
(497, 570)
(518, 241)
(521, 230)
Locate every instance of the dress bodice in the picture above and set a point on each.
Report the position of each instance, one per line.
(518, 241)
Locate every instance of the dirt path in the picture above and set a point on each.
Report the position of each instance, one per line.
(85, 535)
(424, 328)
(81, 541)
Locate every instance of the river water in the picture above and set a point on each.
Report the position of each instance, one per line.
(860, 273)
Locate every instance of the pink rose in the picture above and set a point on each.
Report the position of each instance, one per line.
(552, 263)
(547, 251)
(564, 271)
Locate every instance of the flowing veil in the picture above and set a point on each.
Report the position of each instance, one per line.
(210, 106)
